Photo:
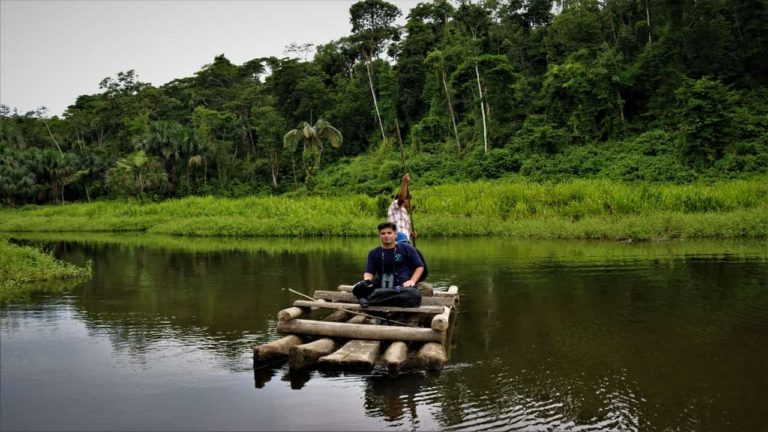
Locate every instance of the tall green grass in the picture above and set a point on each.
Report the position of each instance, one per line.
(576, 199)
(576, 209)
(24, 270)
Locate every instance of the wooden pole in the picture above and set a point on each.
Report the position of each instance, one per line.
(400, 140)
(347, 297)
(405, 171)
(350, 311)
(433, 310)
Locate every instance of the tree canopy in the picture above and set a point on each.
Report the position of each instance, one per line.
(631, 90)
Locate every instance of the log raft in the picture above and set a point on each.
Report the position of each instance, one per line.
(350, 337)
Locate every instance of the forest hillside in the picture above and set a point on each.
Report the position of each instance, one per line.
(533, 90)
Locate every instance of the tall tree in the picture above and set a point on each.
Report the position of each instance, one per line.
(475, 20)
(372, 26)
(437, 61)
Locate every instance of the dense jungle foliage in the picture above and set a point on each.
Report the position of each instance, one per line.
(541, 90)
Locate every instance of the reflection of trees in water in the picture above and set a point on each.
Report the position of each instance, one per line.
(220, 302)
(581, 335)
(597, 340)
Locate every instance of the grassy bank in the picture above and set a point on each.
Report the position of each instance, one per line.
(25, 270)
(577, 209)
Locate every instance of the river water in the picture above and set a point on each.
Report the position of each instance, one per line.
(551, 335)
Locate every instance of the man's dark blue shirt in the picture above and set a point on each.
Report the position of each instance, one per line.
(401, 261)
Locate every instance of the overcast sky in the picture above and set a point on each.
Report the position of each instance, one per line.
(53, 51)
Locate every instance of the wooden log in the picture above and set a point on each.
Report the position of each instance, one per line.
(453, 291)
(358, 319)
(316, 308)
(342, 296)
(432, 356)
(359, 331)
(290, 313)
(395, 356)
(354, 355)
(302, 356)
(440, 322)
(275, 351)
(337, 315)
(357, 307)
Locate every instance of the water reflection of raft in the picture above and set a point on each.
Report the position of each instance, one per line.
(399, 338)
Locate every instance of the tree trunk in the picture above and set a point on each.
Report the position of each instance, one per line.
(273, 169)
(621, 105)
(648, 20)
(450, 109)
(375, 103)
(482, 110)
(52, 137)
(293, 168)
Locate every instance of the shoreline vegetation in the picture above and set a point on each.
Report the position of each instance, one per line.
(25, 270)
(579, 209)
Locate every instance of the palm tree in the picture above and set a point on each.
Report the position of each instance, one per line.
(313, 138)
(137, 172)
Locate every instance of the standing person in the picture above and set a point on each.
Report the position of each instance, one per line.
(391, 265)
(398, 211)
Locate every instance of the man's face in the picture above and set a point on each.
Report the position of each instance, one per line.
(387, 236)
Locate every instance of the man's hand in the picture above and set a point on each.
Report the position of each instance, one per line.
(408, 283)
(406, 179)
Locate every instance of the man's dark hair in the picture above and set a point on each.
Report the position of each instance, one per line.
(390, 225)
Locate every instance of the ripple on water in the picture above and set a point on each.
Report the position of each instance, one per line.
(537, 401)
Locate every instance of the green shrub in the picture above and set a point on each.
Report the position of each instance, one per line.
(25, 270)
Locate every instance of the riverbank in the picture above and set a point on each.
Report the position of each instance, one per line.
(588, 209)
(25, 270)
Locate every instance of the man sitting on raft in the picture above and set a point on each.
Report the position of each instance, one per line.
(392, 265)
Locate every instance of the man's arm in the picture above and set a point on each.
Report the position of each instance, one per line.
(414, 277)
(371, 263)
(403, 194)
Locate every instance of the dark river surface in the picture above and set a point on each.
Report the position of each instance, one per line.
(551, 335)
